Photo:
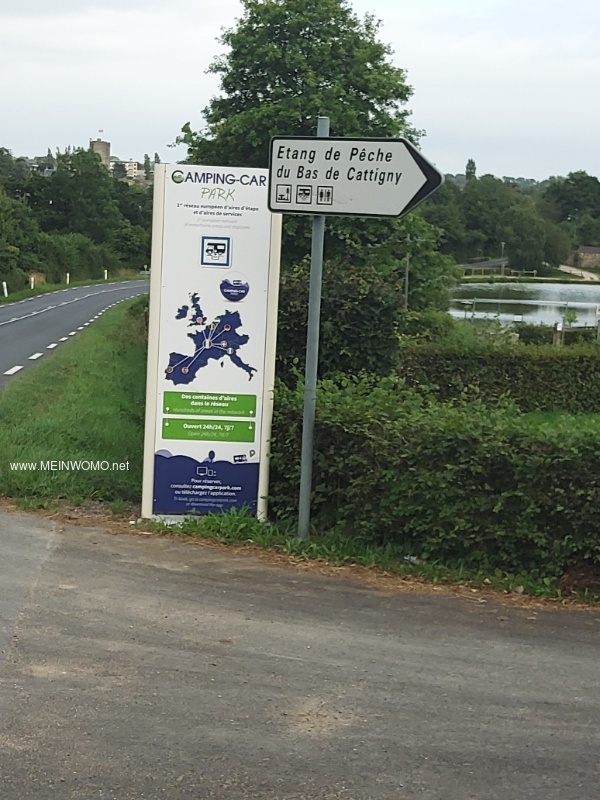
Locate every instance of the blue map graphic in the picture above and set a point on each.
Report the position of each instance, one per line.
(213, 341)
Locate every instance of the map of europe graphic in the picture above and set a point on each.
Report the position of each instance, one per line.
(216, 341)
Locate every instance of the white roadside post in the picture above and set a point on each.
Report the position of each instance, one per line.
(105, 274)
(32, 282)
(68, 278)
(4, 288)
(358, 177)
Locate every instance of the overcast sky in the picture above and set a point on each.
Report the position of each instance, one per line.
(512, 84)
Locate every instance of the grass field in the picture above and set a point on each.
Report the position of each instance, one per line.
(86, 403)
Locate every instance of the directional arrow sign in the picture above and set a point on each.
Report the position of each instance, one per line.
(362, 177)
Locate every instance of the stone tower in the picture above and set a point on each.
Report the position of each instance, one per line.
(103, 150)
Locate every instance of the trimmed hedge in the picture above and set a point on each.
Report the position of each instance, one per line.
(536, 378)
(544, 334)
(461, 483)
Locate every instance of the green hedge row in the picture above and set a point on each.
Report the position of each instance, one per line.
(461, 483)
(544, 334)
(536, 378)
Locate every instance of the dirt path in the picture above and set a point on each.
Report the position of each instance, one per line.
(580, 273)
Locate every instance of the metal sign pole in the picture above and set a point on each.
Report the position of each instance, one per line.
(312, 359)
(406, 272)
(356, 177)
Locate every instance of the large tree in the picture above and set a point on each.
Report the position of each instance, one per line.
(77, 198)
(576, 194)
(77, 220)
(289, 61)
(286, 63)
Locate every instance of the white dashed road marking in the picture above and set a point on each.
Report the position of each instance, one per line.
(13, 370)
(35, 356)
(52, 346)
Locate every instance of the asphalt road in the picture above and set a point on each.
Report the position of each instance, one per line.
(31, 329)
(142, 668)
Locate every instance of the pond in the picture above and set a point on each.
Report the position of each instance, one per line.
(535, 303)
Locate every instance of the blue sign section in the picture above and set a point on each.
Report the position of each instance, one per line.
(183, 485)
(216, 341)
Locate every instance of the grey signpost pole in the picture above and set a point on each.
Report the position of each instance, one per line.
(406, 272)
(312, 359)
(340, 176)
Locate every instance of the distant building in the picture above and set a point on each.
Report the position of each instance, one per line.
(103, 150)
(588, 257)
(130, 170)
(131, 167)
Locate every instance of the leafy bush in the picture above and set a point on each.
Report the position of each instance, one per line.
(359, 320)
(59, 253)
(459, 482)
(427, 326)
(541, 378)
(544, 334)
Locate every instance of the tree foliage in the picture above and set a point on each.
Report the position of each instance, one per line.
(480, 214)
(288, 62)
(77, 220)
(575, 194)
(362, 310)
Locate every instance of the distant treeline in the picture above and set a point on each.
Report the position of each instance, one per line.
(71, 216)
(536, 225)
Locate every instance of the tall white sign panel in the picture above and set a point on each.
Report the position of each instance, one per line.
(211, 359)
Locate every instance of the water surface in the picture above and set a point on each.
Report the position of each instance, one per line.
(536, 303)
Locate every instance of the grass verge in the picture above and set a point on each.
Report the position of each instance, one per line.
(515, 279)
(86, 403)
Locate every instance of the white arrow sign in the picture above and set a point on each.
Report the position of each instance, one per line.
(363, 177)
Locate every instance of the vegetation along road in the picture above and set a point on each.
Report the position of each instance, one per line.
(33, 328)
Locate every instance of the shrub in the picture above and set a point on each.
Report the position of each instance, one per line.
(359, 312)
(544, 334)
(459, 482)
(540, 378)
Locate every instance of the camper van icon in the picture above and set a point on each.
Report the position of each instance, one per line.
(304, 194)
(216, 251)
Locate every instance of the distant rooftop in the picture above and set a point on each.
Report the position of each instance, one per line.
(592, 251)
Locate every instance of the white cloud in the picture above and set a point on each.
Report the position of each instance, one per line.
(137, 76)
(511, 83)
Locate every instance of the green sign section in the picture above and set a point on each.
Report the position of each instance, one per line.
(209, 405)
(208, 430)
